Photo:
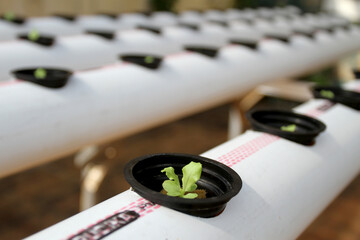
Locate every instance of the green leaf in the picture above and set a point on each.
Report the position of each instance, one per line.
(40, 73)
(170, 173)
(327, 94)
(191, 174)
(33, 35)
(289, 128)
(190, 195)
(9, 16)
(172, 188)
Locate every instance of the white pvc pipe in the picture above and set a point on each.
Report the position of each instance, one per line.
(53, 26)
(78, 52)
(100, 22)
(81, 52)
(9, 31)
(74, 53)
(163, 18)
(104, 104)
(285, 186)
(235, 123)
(190, 16)
(58, 27)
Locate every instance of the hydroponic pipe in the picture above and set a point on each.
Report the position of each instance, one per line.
(77, 52)
(80, 52)
(285, 187)
(104, 104)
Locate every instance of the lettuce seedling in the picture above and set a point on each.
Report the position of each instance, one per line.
(33, 35)
(40, 73)
(289, 128)
(327, 94)
(191, 174)
(149, 59)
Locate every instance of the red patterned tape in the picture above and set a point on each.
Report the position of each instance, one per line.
(141, 206)
(246, 150)
(114, 222)
(8, 83)
(357, 89)
(320, 109)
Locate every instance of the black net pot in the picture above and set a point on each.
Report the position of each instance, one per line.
(221, 23)
(191, 26)
(55, 78)
(272, 121)
(348, 98)
(15, 20)
(145, 13)
(102, 33)
(284, 39)
(326, 29)
(46, 41)
(152, 29)
(67, 17)
(143, 60)
(346, 27)
(221, 182)
(250, 44)
(204, 50)
(308, 34)
(248, 21)
(356, 74)
(112, 16)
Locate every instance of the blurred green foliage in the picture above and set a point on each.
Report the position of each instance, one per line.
(162, 5)
(305, 5)
(325, 77)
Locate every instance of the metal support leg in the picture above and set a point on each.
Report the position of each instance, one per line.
(344, 69)
(92, 174)
(235, 125)
(85, 155)
(237, 119)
